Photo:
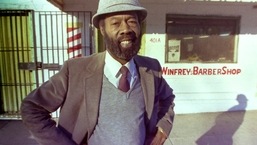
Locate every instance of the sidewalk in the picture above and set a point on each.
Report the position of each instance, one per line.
(221, 128)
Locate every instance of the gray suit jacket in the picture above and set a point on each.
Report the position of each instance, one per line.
(76, 89)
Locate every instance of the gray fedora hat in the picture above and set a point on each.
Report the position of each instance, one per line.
(112, 6)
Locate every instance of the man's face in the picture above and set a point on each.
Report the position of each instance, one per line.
(121, 32)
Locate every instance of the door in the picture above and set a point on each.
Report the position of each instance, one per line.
(33, 47)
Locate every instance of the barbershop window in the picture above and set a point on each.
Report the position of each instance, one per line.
(203, 39)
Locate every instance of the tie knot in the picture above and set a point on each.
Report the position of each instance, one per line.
(124, 70)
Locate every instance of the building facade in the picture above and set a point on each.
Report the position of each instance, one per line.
(207, 49)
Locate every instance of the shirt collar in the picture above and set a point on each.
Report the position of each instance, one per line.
(114, 66)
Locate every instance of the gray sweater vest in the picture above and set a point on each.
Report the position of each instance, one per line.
(121, 116)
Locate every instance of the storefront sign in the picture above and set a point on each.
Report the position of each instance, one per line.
(196, 70)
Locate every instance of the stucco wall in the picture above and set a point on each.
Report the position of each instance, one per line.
(208, 93)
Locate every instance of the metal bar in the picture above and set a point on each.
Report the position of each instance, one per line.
(57, 39)
(72, 22)
(1, 64)
(90, 35)
(18, 84)
(13, 24)
(47, 41)
(29, 46)
(17, 72)
(35, 46)
(62, 15)
(23, 75)
(5, 59)
(41, 42)
(67, 18)
(52, 38)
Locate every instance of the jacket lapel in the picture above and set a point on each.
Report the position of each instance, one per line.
(93, 87)
(147, 82)
(90, 106)
(93, 92)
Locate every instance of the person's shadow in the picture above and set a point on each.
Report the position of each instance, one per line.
(226, 124)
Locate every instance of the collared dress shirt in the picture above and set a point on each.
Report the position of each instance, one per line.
(112, 67)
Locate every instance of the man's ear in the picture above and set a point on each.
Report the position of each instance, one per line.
(101, 27)
(101, 30)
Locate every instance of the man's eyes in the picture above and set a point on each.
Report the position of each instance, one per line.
(115, 23)
(129, 22)
(132, 21)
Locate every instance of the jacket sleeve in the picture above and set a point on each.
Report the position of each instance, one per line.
(37, 106)
(166, 105)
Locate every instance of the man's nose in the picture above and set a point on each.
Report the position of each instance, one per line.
(125, 28)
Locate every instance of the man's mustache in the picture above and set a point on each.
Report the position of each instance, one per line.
(130, 36)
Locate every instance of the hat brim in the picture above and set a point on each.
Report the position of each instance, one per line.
(119, 8)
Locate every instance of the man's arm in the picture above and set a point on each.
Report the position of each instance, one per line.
(165, 112)
(38, 105)
(166, 117)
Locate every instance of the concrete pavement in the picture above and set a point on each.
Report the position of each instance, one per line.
(219, 128)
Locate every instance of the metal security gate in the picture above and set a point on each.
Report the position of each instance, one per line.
(15, 47)
(33, 47)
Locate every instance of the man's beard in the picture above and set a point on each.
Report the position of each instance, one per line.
(115, 49)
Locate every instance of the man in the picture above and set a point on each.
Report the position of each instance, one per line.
(99, 103)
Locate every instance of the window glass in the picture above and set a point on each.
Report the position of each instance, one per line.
(206, 39)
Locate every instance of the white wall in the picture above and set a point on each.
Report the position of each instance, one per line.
(208, 93)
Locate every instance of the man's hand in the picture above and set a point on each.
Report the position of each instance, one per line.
(159, 138)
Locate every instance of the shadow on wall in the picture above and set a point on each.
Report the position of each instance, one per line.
(225, 125)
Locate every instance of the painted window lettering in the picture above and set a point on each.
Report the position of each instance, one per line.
(201, 71)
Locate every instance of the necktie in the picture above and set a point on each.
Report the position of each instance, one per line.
(124, 83)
